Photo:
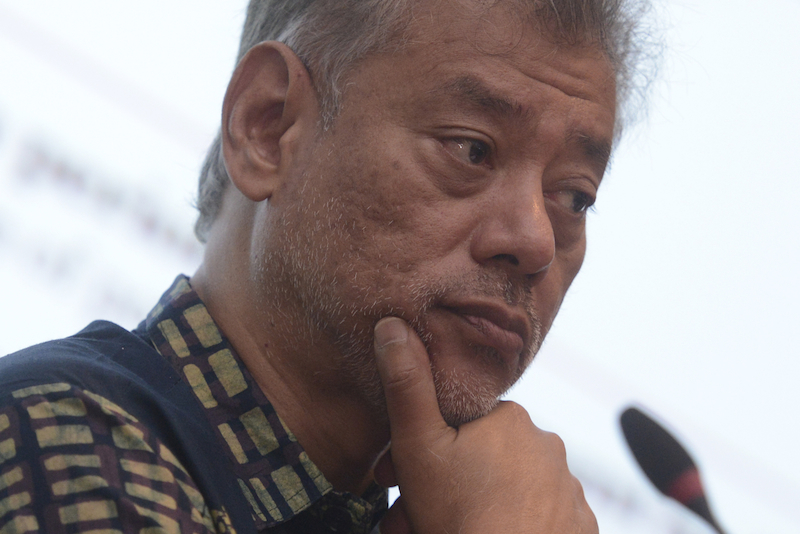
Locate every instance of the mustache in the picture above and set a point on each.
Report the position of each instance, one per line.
(483, 283)
(493, 284)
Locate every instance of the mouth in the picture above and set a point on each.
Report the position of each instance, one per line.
(496, 326)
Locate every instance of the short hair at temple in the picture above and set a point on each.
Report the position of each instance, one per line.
(332, 36)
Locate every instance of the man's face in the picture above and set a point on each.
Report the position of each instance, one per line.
(451, 192)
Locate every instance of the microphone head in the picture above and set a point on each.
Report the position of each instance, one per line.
(665, 462)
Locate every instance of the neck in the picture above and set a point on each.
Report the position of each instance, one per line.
(295, 367)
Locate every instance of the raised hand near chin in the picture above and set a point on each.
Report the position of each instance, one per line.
(498, 474)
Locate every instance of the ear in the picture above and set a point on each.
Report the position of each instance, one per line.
(270, 104)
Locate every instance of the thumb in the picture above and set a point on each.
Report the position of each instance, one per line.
(405, 372)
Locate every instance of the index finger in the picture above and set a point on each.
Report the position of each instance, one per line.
(405, 372)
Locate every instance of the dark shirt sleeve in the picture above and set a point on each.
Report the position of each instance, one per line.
(73, 461)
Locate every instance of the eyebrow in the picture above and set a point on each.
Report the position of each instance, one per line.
(476, 94)
(596, 150)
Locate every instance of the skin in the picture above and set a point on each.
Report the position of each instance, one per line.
(450, 194)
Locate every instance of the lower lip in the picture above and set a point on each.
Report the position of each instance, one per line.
(505, 341)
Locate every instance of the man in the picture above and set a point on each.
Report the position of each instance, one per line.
(393, 212)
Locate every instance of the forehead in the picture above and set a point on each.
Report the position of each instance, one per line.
(486, 58)
(502, 29)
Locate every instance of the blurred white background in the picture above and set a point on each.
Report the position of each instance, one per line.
(686, 303)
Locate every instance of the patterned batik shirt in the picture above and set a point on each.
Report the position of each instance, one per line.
(158, 430)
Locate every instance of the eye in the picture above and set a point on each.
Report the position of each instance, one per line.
(578, 202)
(472, 151)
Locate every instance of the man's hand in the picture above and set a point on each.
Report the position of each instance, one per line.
(498, 474)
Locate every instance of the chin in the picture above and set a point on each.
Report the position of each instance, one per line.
(462, 396)
(466, 396)
(470, 385)
(462, 401)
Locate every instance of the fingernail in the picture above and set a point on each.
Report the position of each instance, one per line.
(390, 330)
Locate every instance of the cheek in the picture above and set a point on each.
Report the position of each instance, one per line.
(385, 209)
(398, 216)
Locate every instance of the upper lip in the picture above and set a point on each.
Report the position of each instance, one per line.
(500, 314)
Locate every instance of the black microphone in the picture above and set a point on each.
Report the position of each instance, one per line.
(666, 463)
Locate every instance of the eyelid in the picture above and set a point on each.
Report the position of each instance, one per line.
(579, 182)
(576, 185)
(464, 132)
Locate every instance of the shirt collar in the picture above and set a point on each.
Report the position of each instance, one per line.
(274, 473)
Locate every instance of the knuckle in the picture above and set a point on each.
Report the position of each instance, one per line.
(517, 410)
(578, 489)
(401, 379)
(515, 413)
(555, 444)
(584, 519)
(588, 521)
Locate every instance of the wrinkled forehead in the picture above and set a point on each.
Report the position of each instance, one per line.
(575, 23)
(488, 63)
(503, 29)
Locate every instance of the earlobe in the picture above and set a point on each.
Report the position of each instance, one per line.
(269, 95)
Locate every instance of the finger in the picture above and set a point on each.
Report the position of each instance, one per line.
(405, 371)
(396, 521)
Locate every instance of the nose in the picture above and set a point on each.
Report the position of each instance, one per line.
(516, 235)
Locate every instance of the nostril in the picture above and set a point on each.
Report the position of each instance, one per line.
(510, 258)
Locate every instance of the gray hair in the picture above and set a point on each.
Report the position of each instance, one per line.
(332, 36)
